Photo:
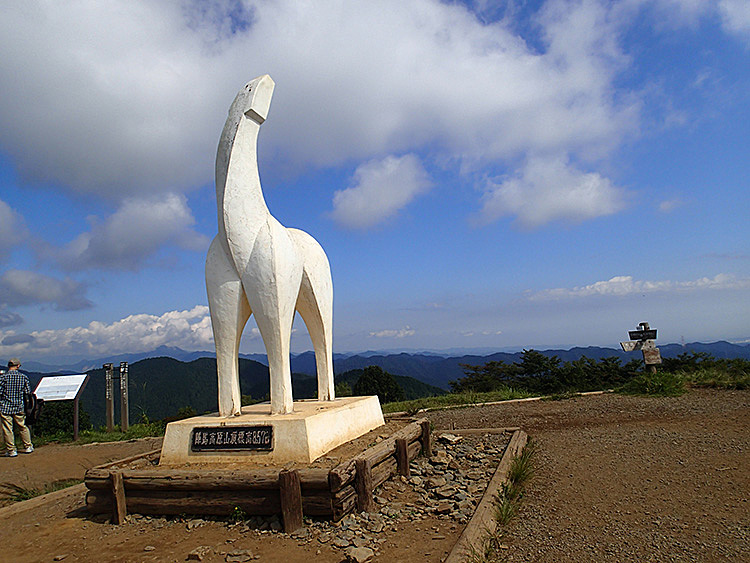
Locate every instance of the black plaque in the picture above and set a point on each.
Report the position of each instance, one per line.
(231, 438)
(649, 334)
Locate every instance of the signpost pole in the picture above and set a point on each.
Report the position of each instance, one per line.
(109, 397)
(124, 412)
(643, 340)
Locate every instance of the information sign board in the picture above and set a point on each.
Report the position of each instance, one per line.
(60, 387)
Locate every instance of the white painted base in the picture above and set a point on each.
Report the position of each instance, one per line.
(312, 430)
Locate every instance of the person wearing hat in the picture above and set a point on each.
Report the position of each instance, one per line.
(13, 385)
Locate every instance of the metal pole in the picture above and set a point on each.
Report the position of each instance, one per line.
(124, 413)
(109, 397)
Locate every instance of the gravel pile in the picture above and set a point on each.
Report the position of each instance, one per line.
(448, 486)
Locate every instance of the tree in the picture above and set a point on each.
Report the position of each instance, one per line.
(489, 377)
(375, 381)
(343, 389)
(57, 418)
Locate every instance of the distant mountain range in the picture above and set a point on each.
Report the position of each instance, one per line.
(437, 368)
(159, 387)
(166, 379)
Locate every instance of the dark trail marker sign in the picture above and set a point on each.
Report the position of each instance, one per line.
(109, 397)
(643, 340)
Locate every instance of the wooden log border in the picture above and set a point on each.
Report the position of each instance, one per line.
(328, 493)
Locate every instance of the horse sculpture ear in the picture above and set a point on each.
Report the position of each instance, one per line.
(259, 94)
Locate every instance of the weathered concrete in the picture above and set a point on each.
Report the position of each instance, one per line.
(315, 428)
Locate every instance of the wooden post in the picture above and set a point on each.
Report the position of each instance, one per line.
(119, 506)
(109, 397)
(402, 457)
(290, 490)
(124, 410)
(363, 486)
(426, 438)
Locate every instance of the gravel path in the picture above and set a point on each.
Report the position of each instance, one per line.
(630, 479)
(618, 479)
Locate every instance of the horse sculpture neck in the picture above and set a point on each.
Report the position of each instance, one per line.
(239, 195)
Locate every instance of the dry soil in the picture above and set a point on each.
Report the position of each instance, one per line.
(618, 479)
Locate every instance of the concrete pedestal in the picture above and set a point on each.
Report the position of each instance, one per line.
(313, 429)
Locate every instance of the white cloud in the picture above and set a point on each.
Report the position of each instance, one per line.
(679, 12)
(669, 205)
(12, 229)
(394, 333)
(190, 329)
(735, 15)
(134, 232)
(381, 188)
(620, 286)
(551, 189)
(122, 98)
(22, 287)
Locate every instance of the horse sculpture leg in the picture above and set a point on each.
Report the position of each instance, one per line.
(229, 313)
(315, 306)
(271, 279)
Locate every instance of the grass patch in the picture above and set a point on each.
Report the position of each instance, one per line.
(136, 431)
(561, 396)
(455, 399)
(659, 384)
(718, 378)
(507, 504)
(18, 493)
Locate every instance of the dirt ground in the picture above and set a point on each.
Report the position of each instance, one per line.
(618, 479)
(64, 462)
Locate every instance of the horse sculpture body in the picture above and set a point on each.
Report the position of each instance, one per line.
(257, 266)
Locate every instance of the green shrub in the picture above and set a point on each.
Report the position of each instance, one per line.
(719, 378)
(661, 384)
(57, 419)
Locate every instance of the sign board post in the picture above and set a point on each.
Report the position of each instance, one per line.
(643, 340)
(63, 388)
(124, 411)
(109, 397)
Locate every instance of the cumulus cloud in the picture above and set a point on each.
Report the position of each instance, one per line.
(394, 333)
(12, 229)
(134, 232)
(23, 287)
(381, 188)
(551, 189)
(17, 339)
(136, 92)
(620, 286)
(189, 329)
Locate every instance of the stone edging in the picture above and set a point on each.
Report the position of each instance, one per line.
(484, 519)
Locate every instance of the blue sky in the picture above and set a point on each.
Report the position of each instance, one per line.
(481, 174)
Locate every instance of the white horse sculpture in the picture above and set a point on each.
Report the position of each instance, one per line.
(257, 266)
